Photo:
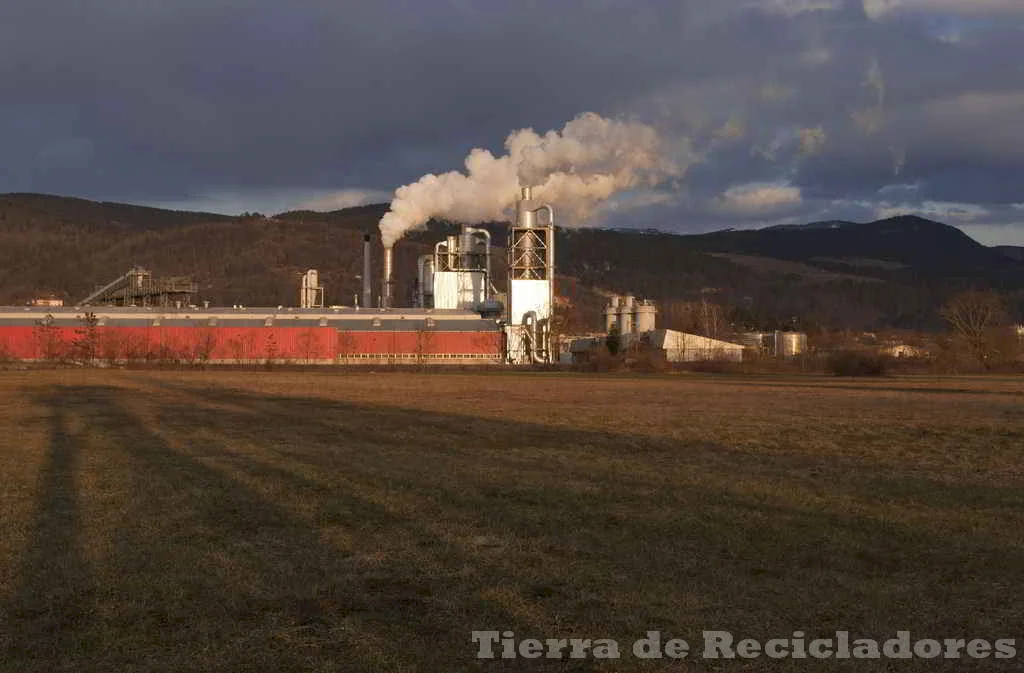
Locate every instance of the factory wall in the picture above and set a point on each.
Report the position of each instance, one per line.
(246, 345)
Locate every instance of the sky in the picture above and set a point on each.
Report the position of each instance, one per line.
(780, 110)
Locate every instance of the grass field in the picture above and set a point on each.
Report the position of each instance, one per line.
(265, 521)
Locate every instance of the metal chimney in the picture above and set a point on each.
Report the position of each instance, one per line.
(367, 284)
(389, 259)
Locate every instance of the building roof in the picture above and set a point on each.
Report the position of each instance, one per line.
(384, 320)
(667, 339)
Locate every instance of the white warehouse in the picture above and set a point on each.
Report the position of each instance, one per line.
(633, 321)
(683, 347)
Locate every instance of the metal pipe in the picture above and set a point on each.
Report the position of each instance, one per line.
(452, 249)
(538, 331)
(389, 259)
(551, 258)
(475, 231)
(423, 287)
(367, 282)
(545, 328)
(428, 290)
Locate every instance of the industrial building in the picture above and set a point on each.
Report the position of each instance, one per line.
(633, 323)
(251, 335)
(684, 347)
(775, 344)
(456, 320)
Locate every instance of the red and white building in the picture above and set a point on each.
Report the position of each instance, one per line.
(250, 335)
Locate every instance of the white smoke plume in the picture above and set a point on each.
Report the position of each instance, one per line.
(575, 169)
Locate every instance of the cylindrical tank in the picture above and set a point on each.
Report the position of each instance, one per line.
(790, 344)
(526, 209)
(645, 317)
(611, 314)
(626, 316)
(425, 281)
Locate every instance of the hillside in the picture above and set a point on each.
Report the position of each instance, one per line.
(905, 241)
(894, 272)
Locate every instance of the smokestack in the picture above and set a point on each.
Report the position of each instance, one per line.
(388, 279)
(367, 284)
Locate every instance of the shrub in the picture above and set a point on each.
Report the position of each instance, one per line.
(855, 363)
(711, 366)
(648, 361)
(599, 360)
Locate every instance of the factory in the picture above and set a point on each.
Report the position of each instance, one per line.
(456, 320)
(632, 322)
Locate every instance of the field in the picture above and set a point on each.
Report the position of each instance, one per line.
(281, 521)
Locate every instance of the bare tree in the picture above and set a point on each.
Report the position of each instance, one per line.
(424, 344)
(86, 344)
(49, 342)
(701, 317)
(978, 317)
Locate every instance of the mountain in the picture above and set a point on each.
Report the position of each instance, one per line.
(1015, 252)
(913, 242)
(891, 273)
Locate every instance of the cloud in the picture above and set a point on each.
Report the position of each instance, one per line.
(345, 198)
(758, 199)
(935, 210)
(812, 140)
(994, 234)
(878, 8)
(276, 107)
(242, 200)
(794, 7)
(870, 118)
(734, 129)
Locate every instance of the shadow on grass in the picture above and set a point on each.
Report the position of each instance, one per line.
(871, 385)
(295, 533)
(55, 594)
(598, 508)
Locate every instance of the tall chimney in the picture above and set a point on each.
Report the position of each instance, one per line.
(367, 284)
(388, 278)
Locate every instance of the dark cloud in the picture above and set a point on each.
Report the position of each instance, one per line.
(215, 102)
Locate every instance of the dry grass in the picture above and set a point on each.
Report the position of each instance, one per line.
(368, 522)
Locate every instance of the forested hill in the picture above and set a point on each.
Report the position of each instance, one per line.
(894, 272)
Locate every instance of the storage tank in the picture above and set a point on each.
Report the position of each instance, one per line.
(626, 314)
(790, 344)
(645, 316)
(611, 314)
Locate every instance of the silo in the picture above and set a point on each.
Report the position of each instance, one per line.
(645, 316)
(611, 314)
(626, 308)
(790, 344)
